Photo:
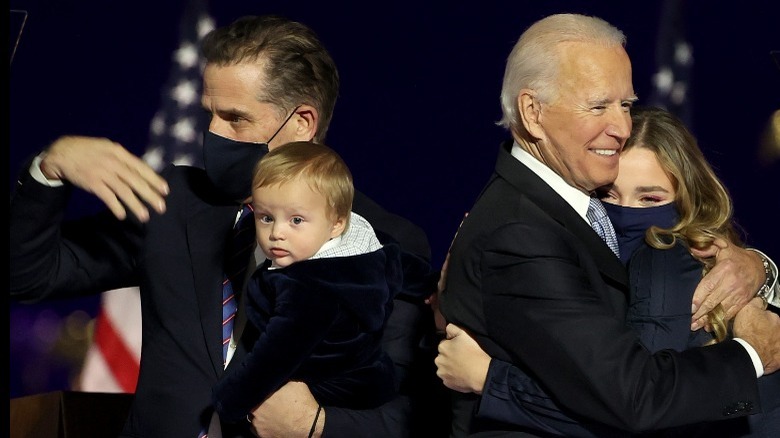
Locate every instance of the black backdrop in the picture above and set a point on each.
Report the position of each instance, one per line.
(419, 97)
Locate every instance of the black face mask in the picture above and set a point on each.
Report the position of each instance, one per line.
(230, 163)
(631, 223)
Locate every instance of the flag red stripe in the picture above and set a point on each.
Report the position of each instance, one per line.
(120, 360)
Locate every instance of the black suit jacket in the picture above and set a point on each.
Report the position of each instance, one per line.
(177, 259)
(536, 286)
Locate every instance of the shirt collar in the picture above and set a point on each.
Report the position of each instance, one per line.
(579, 201)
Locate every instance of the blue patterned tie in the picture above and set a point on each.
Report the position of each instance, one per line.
(236, 263)
(599, 221)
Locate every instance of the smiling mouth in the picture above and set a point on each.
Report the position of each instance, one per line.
(605, 152)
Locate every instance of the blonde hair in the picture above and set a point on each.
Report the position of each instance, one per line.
(703, 202)
(535, 59)
(318, 165)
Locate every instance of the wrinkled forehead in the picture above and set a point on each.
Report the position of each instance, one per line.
(595, 72)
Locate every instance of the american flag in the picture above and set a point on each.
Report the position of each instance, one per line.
(112, 360)
(674, 64)
(175, 134)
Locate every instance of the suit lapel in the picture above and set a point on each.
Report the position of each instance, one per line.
(207, 231)
(540, 193)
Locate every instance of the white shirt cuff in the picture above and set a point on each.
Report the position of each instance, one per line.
(37, 174)
(753, 356)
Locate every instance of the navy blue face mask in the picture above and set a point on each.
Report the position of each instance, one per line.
(230, 163)
(631, 223)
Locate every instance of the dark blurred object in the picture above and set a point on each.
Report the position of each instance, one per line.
(69, 414)
(769, 151)
(775, 54)
(18, 18)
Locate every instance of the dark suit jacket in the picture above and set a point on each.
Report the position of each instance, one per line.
(536, 286)
(177, 259)
(321, 323)
(662, 286)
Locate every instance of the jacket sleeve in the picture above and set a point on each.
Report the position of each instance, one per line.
(510, 396)
(545, 304)
(53, 258)
(410, 340)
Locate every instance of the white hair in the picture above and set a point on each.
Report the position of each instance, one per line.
(535, 58)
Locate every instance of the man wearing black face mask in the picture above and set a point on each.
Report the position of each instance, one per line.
(229, 163)
(268, 80)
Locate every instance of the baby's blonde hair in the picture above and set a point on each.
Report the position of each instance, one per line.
(318, 165)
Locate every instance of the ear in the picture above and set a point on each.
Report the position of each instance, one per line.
(305, 122)
(338, 227)
(530, 111)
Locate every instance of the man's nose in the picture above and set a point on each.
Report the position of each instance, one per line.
(620, 125)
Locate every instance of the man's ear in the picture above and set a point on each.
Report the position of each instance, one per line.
(530, 110)
(305, 122)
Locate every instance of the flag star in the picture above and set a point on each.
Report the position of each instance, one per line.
(185, 93)
(184, 130)
(157, 125)
(205, 25)
(682, 53)
(187, 55)
(154, 157)
(664, 79)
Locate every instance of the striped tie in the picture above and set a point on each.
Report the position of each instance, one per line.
(235, 268)
(599, 221)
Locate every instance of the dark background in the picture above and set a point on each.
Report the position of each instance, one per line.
(415, 119)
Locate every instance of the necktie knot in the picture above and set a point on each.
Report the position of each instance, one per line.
(599, 221)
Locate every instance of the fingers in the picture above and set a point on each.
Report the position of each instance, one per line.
(106, 169)
(710, 251)
(461, 364)
(452, 330)
(733, 281)
(708, 288)
(138, 186)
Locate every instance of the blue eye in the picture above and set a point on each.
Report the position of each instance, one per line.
(266, 219)
(297, 220)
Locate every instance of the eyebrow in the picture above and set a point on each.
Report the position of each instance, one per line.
(223, 111)
(647, 189)
(235, 112)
